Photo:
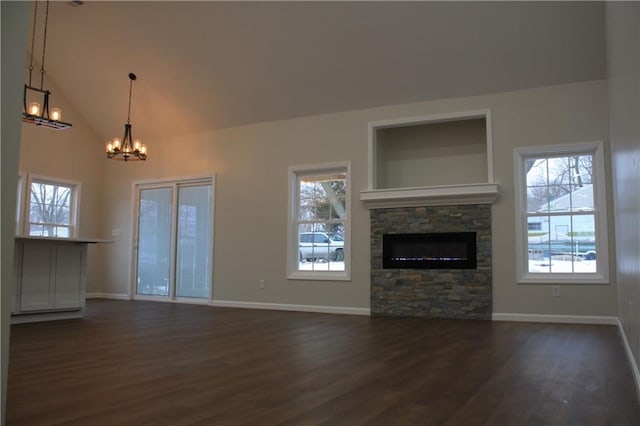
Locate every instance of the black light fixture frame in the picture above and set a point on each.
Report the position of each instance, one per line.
(43, 119)
(122, 153)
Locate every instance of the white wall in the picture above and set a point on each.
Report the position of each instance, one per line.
(251, 195)
(623, 60)
(14, 37)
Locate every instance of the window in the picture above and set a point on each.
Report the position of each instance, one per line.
(561, 223)
(319, 222)
(51, 208)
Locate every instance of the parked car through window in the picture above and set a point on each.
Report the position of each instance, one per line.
(321, 246)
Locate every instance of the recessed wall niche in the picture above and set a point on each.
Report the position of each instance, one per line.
(439, 150)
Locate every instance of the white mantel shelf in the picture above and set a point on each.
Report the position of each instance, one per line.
(481, 193)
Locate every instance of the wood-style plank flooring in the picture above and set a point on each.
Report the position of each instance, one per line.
(144, 363)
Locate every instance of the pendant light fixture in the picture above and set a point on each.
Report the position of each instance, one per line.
(36, 100)
(127, 149)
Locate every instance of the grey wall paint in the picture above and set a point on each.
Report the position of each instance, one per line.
(14, 37)
(251, 164)
(623, 58)
(443, 153)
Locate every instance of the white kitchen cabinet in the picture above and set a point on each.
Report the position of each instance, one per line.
(50, 278)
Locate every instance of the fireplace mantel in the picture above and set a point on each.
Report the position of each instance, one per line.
(484, 193)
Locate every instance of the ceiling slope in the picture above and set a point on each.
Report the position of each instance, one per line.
(210, 65)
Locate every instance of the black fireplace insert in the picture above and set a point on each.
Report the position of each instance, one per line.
(440, 250)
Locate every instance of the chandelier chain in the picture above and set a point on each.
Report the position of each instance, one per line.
(33, 40)
(44, 45)
(129, 112)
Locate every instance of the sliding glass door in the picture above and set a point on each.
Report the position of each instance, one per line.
(193, 249)
(154, 241)
(174, 240)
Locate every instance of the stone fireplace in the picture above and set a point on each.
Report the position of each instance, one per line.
(432, 292)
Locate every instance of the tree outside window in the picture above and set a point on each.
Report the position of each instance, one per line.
(560, 202)
(51, 209)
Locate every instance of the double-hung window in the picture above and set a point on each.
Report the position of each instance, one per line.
(319, 222)
(561, 224)
(50, 207)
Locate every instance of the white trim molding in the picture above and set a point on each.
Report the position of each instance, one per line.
(562, 319)
(445, 195)
(632, 361)
(112, 296)
(45, 316)
(165, 299)
(290, 307)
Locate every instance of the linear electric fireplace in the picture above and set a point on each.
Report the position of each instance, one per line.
(441, 250)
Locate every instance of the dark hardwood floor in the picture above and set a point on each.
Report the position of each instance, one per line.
(143, 363)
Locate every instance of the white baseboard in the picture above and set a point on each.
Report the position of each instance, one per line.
(162, 299)
(632, 360)
(566, 319)
(46, 316)
(289, 307)
(247, 305)
(114, 296)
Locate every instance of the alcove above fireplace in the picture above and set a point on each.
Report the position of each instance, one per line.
(442, 159)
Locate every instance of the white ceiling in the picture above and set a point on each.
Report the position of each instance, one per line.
(206, 65)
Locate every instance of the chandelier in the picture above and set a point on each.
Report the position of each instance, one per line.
(36, 100)
(127, 149)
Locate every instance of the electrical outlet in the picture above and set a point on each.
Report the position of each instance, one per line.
(556, 291)
(261, 284)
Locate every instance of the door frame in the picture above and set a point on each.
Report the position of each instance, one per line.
(174, 183)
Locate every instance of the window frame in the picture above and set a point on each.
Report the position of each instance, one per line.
(74, 205)
(20, 202)
(294, 172)
(601, 276)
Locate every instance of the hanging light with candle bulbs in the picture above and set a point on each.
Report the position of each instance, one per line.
(36, 99)
(127, 148)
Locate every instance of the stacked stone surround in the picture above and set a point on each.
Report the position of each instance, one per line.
(432, 293)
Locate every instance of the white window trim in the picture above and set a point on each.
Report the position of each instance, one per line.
(20, 203)
(602, 242)
(74, 221)
(292, 235)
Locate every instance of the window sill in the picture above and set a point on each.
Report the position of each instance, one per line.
(575, 279)
(319, 276)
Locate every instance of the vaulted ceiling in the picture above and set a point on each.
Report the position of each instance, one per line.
(207, 65)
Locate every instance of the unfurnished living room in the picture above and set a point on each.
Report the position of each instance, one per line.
(317, 212)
